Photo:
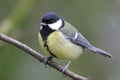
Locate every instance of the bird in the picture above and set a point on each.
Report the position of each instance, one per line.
(59, 39)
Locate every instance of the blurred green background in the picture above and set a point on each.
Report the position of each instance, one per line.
(97, 20)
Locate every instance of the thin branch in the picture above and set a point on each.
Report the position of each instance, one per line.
(39, 57)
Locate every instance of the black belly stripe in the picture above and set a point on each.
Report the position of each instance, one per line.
(45, 32)
(45, 45)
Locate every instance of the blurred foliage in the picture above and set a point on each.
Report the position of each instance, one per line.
(97, 20)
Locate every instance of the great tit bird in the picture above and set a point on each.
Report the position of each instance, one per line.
(61, 40)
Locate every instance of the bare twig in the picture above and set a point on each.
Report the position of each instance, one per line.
(39, 56)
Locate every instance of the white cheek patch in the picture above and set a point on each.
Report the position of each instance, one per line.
(56, 25)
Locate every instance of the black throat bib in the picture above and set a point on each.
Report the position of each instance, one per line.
(45, 32)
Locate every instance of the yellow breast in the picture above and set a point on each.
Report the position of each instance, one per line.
(61, 47)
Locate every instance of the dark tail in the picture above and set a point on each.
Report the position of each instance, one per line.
(100, 51)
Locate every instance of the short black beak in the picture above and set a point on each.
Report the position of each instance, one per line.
(43, 24)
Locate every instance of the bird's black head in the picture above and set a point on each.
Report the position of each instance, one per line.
(50, 18)
(50, 23)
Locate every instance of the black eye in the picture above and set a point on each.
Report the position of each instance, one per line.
(48, 21)
(52, 21)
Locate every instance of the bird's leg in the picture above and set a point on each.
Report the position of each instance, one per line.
(65, 67)
(47, 59)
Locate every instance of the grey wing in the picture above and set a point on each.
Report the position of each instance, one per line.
(78, 39)
(72, 33)
(75, 37)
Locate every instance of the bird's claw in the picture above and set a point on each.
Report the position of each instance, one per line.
(64, 68)
(47, 59)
